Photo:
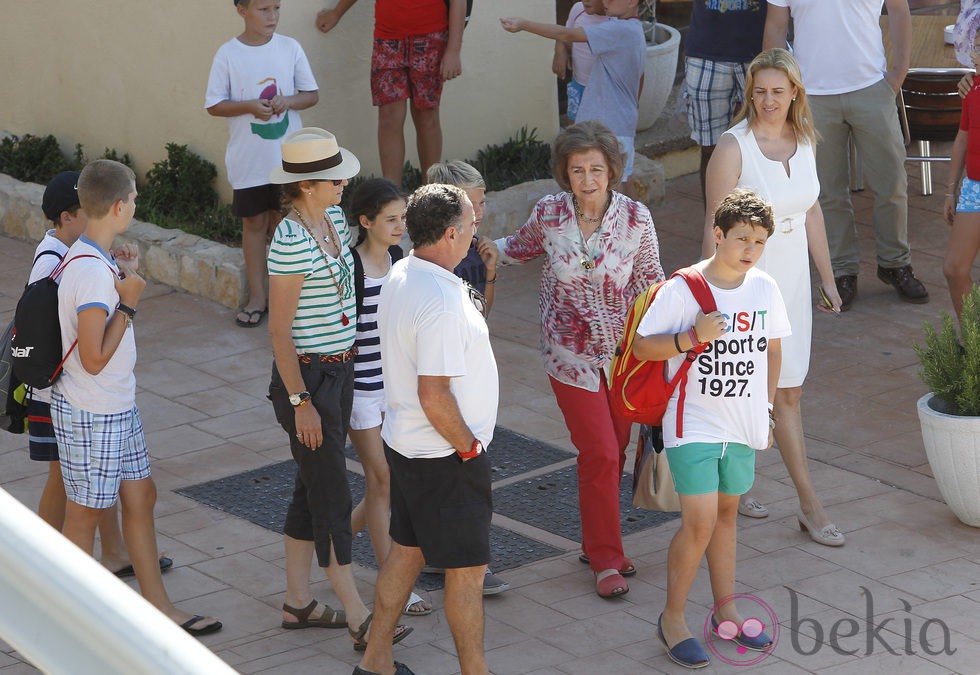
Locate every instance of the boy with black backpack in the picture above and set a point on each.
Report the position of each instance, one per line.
(725, 417)
(93, 404)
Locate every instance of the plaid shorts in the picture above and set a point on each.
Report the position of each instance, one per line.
(98, 452)
(408, 68)
(714, 91)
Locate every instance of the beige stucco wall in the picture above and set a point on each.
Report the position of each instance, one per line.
(131, 74)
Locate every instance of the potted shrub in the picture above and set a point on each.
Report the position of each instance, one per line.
(950, 413)
(660, 69)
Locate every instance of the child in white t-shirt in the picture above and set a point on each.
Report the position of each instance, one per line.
(725, 416)
(259, 81)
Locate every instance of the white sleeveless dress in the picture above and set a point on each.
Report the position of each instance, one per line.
(786, 257)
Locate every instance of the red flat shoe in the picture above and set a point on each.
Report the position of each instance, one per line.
(612, 586)
(628, 569)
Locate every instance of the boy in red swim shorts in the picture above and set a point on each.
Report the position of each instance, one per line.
(416, 48)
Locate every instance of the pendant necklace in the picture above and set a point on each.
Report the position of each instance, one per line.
(588, 259)
(341, 290)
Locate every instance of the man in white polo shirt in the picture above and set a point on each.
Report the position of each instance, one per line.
(441, 391)
(851, 90)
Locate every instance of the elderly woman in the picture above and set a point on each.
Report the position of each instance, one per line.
(770, 150)
(312, 322)
(600, 250)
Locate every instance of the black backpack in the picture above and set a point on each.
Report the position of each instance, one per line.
(13, 406)
(36, 345)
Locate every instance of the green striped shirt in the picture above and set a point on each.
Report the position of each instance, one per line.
(318, 326)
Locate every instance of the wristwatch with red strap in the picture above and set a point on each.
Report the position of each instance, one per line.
(475, 450)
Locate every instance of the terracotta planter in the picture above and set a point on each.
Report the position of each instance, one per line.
(658, 74)
(952, 445)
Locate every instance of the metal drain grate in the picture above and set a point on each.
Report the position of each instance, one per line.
(550, 502)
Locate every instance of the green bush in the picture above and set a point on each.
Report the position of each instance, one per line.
(35, 159)
(178, 194)
(951, 362)
(519, 159)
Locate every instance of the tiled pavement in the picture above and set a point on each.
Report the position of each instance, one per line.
(907, 560)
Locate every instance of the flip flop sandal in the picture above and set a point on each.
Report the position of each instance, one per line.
(128, 571)
(360, 635)
(255, 317)
(203, 630)
(411, 609)
(331, 618)
(628, 570)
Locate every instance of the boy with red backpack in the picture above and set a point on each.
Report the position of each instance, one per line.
(725, 418)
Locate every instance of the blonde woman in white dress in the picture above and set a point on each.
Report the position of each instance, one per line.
(770, 150)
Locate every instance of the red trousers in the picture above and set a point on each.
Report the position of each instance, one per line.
(600, 436)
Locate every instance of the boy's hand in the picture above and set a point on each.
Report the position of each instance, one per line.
(130, 289)
(512, 24)
(560, 63)
(261, 108)
(488, 253)
(279, 104)
(127, 257)
(949, 209)
(326, 19)
(451, 65)
(710, 326)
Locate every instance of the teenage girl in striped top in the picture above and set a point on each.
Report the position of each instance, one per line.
(378, 207)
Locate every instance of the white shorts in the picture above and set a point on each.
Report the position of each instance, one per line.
(367, 409)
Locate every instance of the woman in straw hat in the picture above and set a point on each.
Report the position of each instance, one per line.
(312, 322)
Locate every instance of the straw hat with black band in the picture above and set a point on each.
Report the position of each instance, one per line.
(312, 153)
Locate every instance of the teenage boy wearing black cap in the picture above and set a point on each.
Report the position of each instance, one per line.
(60, 206)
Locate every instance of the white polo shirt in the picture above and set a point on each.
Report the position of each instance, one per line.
(430, 326)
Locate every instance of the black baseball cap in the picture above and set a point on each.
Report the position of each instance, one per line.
(61, 194)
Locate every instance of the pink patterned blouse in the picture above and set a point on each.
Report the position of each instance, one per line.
(586, 286)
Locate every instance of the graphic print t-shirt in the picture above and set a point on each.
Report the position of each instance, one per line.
(727, 387)
(243, 72)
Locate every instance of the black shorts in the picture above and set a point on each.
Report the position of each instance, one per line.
(41, 440)
(254, 201)
(442, 506)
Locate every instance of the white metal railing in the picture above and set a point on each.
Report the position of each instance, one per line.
(67, 614)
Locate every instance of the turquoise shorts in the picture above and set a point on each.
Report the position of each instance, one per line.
(703, 468)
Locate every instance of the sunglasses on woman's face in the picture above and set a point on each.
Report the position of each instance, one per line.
(329, 180)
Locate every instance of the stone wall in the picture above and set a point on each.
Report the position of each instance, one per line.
(181, 260)
(217, 272)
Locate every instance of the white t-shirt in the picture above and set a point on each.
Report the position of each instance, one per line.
(84, 284)
(727, 387)
(429, 326)
(243, 72)
(43, 267)
(857, 57)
